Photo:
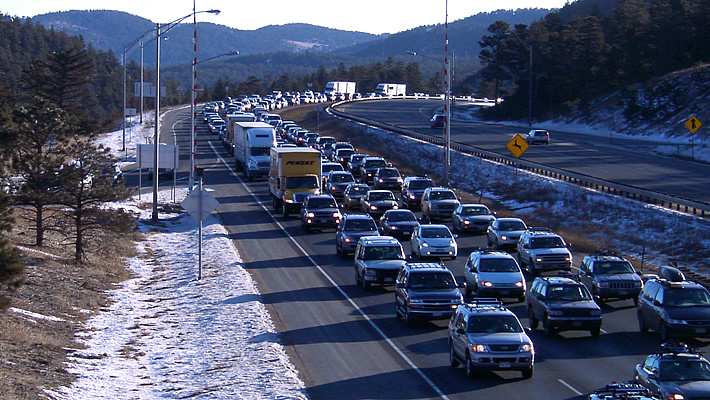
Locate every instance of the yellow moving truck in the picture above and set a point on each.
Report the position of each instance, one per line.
(294, 173)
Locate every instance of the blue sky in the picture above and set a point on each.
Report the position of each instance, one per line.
(372, 16)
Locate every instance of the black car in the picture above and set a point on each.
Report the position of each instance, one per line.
(562, 304)
(353, 164)
(398, 223)
(412, 189)
(351, 229)
(608, 276)
(353, 195)
(376, 202)
(674, 309)
(387, 178)
(320, 211)
(676, 372)
(369, 166)
(337, 181)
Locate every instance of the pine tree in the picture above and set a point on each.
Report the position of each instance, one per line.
(11, 267)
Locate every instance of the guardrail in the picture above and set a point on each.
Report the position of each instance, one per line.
(647, 196)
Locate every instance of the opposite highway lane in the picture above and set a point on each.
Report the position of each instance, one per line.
(629, 162)
(318, 311)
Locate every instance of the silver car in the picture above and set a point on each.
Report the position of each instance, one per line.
(505, 232)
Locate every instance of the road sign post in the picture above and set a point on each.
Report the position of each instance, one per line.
(693, 124)
(517, 146)
(199, 204)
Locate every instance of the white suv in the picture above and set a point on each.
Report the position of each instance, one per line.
(439, 202)
(494, 273)
(542, 250)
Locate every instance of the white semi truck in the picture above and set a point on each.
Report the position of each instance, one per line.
(252, 142)
(346, 88)
(391, 89)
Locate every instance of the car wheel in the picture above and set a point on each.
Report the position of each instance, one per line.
(470, 370)
(408, 320)
(452, 356)
(527, 372)
(531, 319)
(468, 291)
(337, 250)
(396, 311)
(521, 299)
(285, 211)
(595, 332)
(365, 284)
(642, 323)
(663, 332)
(547, 326)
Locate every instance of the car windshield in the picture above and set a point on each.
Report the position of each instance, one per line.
(360, 225)
(685, 370)
(302, 182)
(547, 243)
(475, 211)
(339, 178)
(423, 184)
(260, 151)
(345, 152)
(332, 167)
(613, 267)
(379, 196)
(567, 293)
(401, 216)
(435, 232)
(511, 226)
(494, 324)
(383, 253)
(375, 163)
(442, 195)
(498, 265)
(686, 298)
(357, 158)
(432, 280)
(358, 190)
(388, 172)
(321, 202)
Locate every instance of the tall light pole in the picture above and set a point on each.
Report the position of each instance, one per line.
(193, 115)
(156, 139)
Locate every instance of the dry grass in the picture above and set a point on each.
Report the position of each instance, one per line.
(33, 350)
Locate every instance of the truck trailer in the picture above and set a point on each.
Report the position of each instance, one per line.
(391, 89)
(252, 141)
(346, 88)
(294, 174)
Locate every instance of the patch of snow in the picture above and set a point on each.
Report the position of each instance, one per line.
(35, 315)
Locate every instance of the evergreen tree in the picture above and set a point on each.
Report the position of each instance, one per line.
(11, 267)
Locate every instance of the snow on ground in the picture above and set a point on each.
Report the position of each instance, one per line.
(169, 335)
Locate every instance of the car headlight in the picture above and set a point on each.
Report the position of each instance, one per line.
(373, 208)
(466, 222)
(519, 284)
(399, 180)
(676, 396)
(538, 259)
(556, 313)
(411, 196)
(638, 284)
(452, 243)
(394, 228)
(486, 283)
(596, 313)
(310, 215)
(337, 214)
(479, 348)
(676, 321)
(332, 188)
(395, 207)
(503, 237)
(347, 240)
(603, 284)
(425, 244)
(380, 180)
(527, 347)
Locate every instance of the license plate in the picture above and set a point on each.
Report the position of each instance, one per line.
(700, 330)
(406, 233)
(623, 292)
(389, 279)
(505, 364)
(577, 323)
(504, 292)
(438, 314)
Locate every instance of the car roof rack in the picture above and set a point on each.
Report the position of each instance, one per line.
(623, 390)
(677, 347)
(488, 303)
(604, 253)
(539, 229)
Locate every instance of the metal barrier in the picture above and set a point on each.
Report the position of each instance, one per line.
(680, 204)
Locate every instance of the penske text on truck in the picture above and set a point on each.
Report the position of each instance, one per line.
(252, 141)
(294, 174)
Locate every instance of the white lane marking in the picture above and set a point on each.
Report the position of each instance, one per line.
(332, 282)
(568, 386)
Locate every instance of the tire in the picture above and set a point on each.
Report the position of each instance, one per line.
(365, 284)
(396, 311)
(338, 251)
(595, 332)
(663, 331)
(532, 320)
(548, 328)
(285, 210)
(408, 320)
(470, 371)
(275, 204)
(468, 292)
(642, 323)
(452, 356)
(521, 299)
(527, 373)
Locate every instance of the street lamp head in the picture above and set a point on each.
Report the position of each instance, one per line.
(215, 12)
(234, 53)
(413, 53)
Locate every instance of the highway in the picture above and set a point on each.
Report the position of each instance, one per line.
(347, 343)
(624, 161)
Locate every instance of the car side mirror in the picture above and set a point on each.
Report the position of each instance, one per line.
(456, 236)
(528, 330)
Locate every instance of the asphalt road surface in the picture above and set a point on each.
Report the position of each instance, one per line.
(347, 343)
(624, 161)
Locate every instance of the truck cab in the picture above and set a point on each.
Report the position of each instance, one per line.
(293, 175)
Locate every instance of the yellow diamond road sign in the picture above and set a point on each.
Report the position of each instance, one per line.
(517, 146)
(693, 124)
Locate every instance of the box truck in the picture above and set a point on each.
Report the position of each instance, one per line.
(346, 88)
(252, 141)
(294, 174)
(391, 89)
(230, 120)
